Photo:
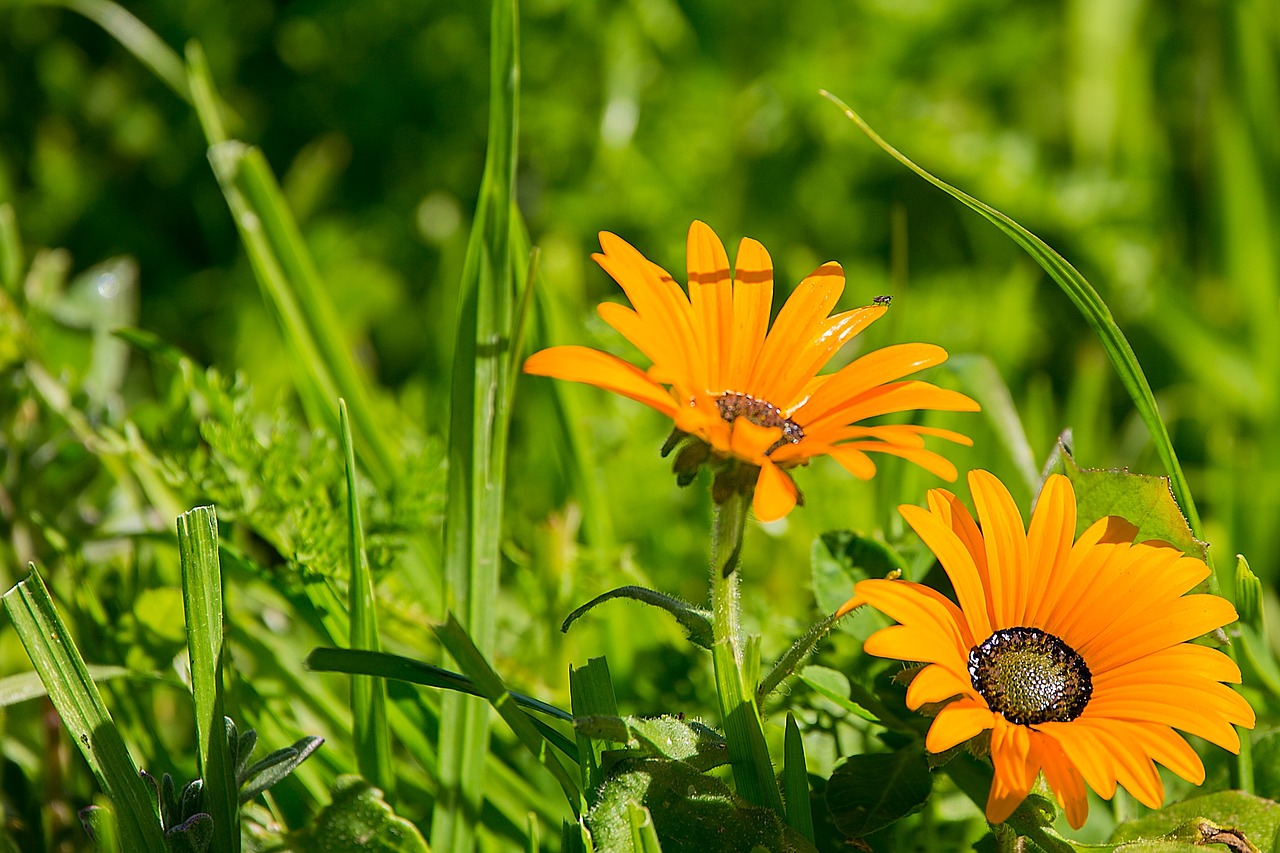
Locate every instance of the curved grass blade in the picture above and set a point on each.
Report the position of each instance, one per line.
(55, 657)
(1086, 299)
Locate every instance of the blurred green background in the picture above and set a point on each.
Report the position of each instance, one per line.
(1140, 139)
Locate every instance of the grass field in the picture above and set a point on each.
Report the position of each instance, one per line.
(219, 221)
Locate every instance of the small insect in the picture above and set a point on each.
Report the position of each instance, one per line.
(883, 300)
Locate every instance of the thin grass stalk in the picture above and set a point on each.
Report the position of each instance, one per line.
(477, 440)
(368, 694)
(748, 752)
(202, 604)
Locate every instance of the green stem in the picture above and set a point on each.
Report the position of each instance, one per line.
(748, 752)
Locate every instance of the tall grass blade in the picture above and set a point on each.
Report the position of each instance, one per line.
(477, 438)
(591, 692)
(55, 657)
(368, 694)
(11, 261)
(202, 603)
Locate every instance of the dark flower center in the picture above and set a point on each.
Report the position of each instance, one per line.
(734, 405)
(1030, 677)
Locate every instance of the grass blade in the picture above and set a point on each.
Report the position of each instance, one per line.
(11, 261)
(478, 437)
(137, 38)
(202, 603)
(795, 781)
(55, 657)
(591, 691)
(368, 694)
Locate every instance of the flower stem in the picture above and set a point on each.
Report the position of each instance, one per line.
(748, 753)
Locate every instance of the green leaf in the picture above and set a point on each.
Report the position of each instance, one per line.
(833, 685)
(869, 792)
(27, 685)
(261, 775)
(1141, 499)
(1257, 819)
(841, 558)
(1266, 762)
(358, 819)
(591, 692)
(202, 604)
(690, 812)
(644, 835)
(55, 657)
(696, 622)
(659, 737)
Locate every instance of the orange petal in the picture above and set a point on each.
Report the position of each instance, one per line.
(649, 338)
(1179, 662)
(776, 493)
(752, 299)
(749, 441)
(956, 516)
(1006, 542)
(788, 388)
(1084, 749)
(796, 325)
(711, 299)
(1208, 724)
(932, 462)
(924, 608)
(854, 461)
(1184, 619)
(936, 684)
(956, 723)
(887, 399)
(1016, 766)
(958, 563)
(864, 374)
(1134, 768)
(1049, 539)
(1065, 779)
(581, 364)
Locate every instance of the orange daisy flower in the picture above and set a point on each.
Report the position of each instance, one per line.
(746, 397)
(1073, 656)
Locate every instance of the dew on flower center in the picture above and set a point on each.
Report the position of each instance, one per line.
(1030, 677)
(734, 405)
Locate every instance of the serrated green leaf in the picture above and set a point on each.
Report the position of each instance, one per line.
(1143, 500)
(690, 811)
(1256, 818)
(358, 819)
(869, 792)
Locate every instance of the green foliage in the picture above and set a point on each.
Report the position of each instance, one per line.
(1226, 817)
(357, 818)
(869, 792)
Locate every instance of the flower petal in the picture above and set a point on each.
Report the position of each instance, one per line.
(582, 364)
(1064, 778)
(925, 611)
(796, 326)
(1049, 538)
(775, 494)
(936, 683)
(1016, 765)
(957, 723)
(958, 563)
(752, 298)
(865, 374)
(710, 299)
(1006, 544)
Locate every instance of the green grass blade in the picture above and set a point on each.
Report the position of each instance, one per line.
(202, 603)
(644, 835)
(459, 643)
(477, 438)
(1091, 307)
(11, 261)
(795, 781)
(55, 657)
(368, 694)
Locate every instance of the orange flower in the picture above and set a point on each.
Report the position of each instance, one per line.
(747, 397)
(1074, 656)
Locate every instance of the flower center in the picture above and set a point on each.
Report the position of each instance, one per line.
(1030, 677)
(734, 405)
